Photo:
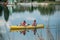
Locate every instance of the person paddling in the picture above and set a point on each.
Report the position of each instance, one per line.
(23, 24)
(34, 24)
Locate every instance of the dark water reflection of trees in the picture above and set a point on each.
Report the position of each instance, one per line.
(50, 9)
(6, 12)
(43, 10)
(0, 10)
(3, 9)
(46, 10)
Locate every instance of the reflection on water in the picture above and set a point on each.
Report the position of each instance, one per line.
(1, 37)
(0, 10)
(6, 13)
(44, 10)
(47, 10)
(48, 15)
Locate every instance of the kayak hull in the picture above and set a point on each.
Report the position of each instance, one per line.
(28, 27)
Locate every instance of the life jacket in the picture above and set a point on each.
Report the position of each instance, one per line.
(23, 23)
(34, 24)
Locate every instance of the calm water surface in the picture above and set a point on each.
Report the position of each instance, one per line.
(14, 15)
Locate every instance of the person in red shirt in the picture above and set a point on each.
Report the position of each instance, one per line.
(34, 24)
(23, 24)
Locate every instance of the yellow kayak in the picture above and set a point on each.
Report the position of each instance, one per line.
(28, 27)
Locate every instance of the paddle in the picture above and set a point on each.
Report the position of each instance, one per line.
(26, 29)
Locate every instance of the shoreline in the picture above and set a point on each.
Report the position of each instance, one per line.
(49, 2)
(33, 3)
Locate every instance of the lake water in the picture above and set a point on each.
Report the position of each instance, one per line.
(14, 15)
